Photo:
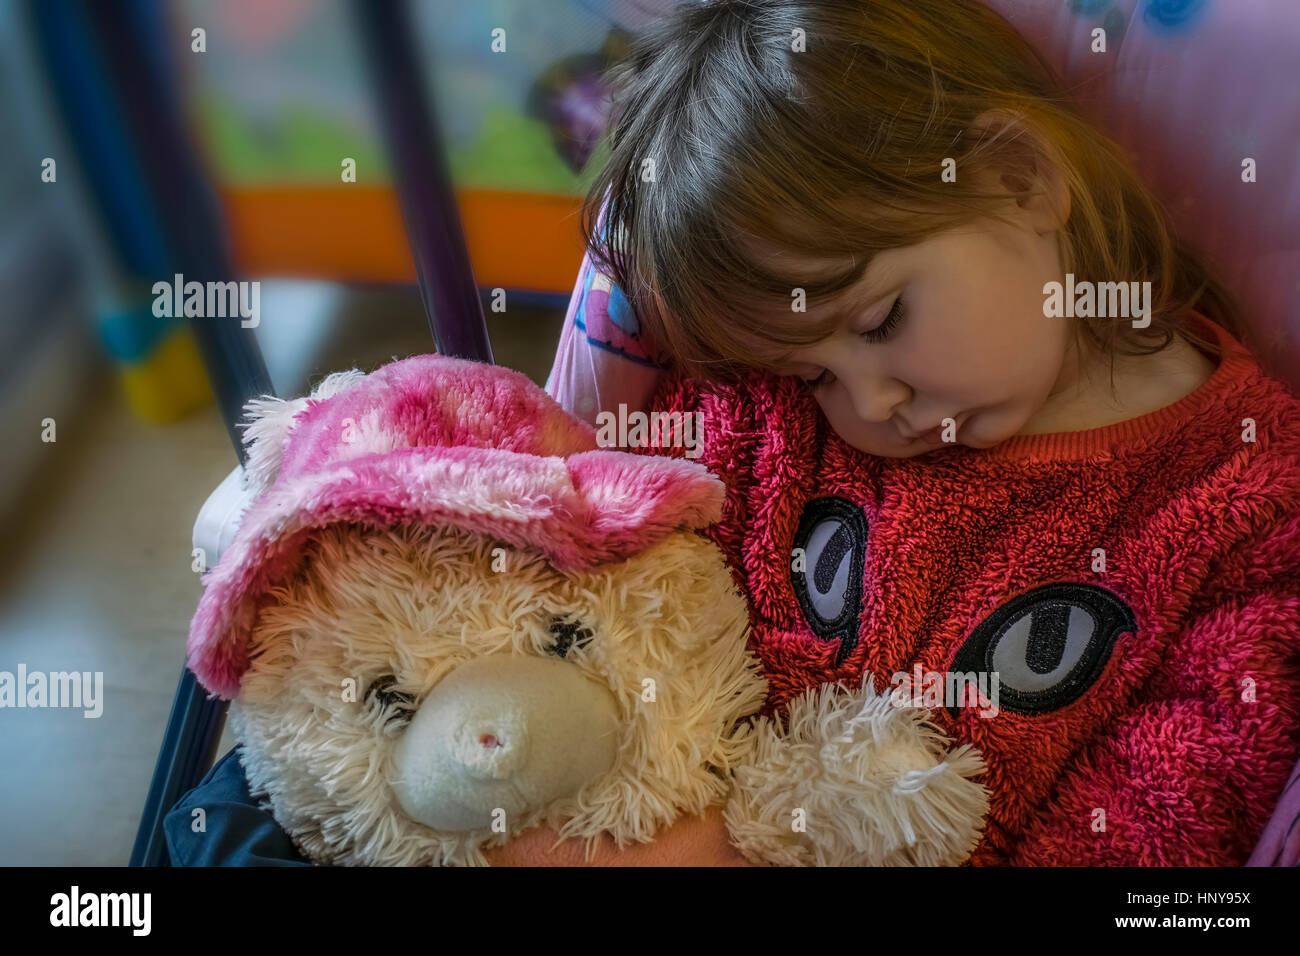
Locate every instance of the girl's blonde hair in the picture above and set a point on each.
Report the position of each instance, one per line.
(726, 139)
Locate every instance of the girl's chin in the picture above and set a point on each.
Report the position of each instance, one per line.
(910, 449)
(895, 446)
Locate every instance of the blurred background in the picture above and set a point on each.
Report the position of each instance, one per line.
(273, 98)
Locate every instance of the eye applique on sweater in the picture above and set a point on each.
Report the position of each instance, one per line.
(1037, 651)
(1047, 647)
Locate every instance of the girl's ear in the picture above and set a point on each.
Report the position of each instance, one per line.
(268, 422)
(1026, 164)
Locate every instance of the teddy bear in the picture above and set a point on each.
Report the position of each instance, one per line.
(449, 616)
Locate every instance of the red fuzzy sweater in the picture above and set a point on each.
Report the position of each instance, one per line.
(1135, 587)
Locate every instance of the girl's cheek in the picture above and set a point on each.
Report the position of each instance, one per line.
(844, 421)
(833, 409)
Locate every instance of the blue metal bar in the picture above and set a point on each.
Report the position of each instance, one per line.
(107, 71)
(95, 126)
(134, 37)
(188, 749)
(130, 39)
(411, 133)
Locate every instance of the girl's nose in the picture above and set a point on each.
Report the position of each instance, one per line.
(875, 397)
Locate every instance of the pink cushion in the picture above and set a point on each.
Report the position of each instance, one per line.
(1191, 88)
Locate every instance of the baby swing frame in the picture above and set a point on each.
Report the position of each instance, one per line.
(230, 353)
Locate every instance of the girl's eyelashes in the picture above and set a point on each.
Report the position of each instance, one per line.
(879, 334)
(886, 328)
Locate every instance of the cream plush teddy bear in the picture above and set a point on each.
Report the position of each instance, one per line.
(448, 617)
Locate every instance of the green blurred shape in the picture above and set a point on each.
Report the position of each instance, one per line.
(512, 151)
(305, 146)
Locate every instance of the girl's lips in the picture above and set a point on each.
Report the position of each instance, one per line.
(934, 436)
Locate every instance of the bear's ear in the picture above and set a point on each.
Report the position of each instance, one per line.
(635, 501)
(268, 421)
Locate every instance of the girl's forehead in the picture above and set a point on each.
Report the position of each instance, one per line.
(813, 267)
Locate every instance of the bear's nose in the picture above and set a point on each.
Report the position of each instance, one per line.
(492, 742)
(503, 734)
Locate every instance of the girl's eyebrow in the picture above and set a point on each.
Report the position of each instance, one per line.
(782, 365)
(857, 301)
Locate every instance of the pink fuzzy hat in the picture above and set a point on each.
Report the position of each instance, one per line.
(433, 440)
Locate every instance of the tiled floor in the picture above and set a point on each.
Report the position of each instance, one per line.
(95, 576)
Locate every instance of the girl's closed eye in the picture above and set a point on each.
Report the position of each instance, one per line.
(878, 334)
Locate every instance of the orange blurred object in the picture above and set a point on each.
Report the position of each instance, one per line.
(354, 233)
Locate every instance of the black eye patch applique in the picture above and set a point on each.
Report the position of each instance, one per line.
(832, 536)
(1047, 646)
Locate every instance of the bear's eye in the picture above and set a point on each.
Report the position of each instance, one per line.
(568, 634)
(397, 704)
